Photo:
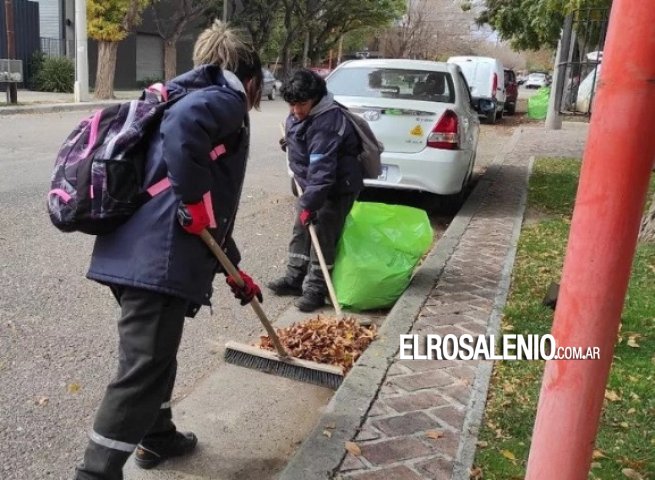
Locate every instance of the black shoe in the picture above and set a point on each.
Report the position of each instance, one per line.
(156, 451)
(283, 287)
(310, 302)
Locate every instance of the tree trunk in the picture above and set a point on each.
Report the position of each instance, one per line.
(170, 58)
(106, 69)
(647, 230)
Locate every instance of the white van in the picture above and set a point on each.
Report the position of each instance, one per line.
(486, 79)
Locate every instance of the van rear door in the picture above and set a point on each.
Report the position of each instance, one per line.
(478, 75)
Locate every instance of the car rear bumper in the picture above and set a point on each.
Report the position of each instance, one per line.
(432, 170)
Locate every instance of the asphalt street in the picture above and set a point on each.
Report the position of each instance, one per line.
(57, 329)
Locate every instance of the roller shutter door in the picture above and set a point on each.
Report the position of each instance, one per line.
(149, 57)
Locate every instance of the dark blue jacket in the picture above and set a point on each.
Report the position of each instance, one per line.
(323, 151)
(152, 251)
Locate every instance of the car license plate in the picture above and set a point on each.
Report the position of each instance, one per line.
(383, 175)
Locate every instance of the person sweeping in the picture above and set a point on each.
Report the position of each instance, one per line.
(322, 149)
(156, 264)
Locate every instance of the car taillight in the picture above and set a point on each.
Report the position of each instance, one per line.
(445, 133)
(495, 85)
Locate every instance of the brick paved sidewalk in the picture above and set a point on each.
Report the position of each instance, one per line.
(448, 396)
(388, 406)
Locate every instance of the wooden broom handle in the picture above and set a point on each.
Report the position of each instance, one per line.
(321, 260)
(234, 273)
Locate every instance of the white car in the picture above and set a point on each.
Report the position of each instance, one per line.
(536, 80)
(423, 114)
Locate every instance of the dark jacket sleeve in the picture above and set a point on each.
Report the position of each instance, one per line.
(188, 131)
(323, 143)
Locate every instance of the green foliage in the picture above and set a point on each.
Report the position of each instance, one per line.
(113, 20)
(57, 74)
(625, 431)
(278, 27)
(532, 24)
(34, 67)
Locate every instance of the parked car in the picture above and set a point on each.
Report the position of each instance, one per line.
(485, 76)
(511, 91)
(423, 113)
(269, 87)
(536, 80)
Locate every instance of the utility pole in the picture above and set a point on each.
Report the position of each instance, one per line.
(553, 118)
(604, 228)
(81, 53)
(12, 90)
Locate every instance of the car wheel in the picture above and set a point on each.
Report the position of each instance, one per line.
(294, 190)
(271, 96)
(511, 109)
(499, 114)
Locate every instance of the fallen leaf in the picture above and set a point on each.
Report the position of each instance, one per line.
(353, 449)
(612, 396)
(598, 454)
(42, 401)
(624, 424)
(331, 426)
(632, 341)
(476, 473)
(327, 433)
(631, 411)
(328, 340)
(434, 434)
(74, 388)
(509, 455)
(595, 465)
(483, 444)
(632, 474)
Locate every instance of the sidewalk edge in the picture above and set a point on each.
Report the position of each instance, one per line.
(348, 409)
(57, 107)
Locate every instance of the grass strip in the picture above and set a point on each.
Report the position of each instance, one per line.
(625, 446)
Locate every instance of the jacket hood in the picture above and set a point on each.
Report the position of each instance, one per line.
(326, 103)
(204, 76)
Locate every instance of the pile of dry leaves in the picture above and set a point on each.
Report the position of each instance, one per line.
(329, 340)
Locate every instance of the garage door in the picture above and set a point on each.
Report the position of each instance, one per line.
(149, 57)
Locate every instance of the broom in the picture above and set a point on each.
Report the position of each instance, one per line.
(321, 261)
(280, 363)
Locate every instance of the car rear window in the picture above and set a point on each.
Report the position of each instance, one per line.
(426, 85)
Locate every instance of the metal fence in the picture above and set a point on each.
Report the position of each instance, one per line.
(583, 38)
(57, 47)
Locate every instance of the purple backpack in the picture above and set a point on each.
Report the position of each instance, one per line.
(97, 182)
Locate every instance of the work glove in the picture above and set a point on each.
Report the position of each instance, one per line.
(249, 290)
(193, 217)
(283, 144)
(307, 217)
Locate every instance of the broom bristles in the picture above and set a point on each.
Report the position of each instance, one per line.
(266, 362)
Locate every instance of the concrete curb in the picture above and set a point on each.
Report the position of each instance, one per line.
(348, 409)
(475, 411)
(57, 107)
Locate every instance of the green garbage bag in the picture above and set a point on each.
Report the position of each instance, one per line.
(379, 248)
(538, 104)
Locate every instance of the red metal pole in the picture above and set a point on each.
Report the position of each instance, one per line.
(613, 185)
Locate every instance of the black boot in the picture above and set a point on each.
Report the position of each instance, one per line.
(285, 287)
(153, 451)
(310, 301)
